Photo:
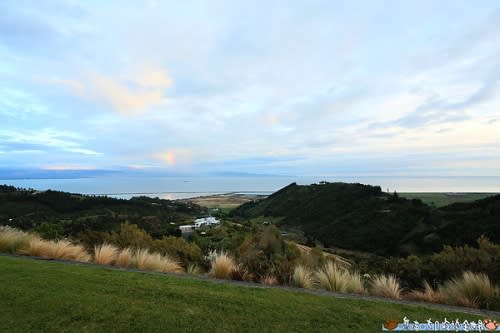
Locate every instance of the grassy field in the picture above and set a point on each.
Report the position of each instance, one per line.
(51, 296)
(443, 199)
(224, 202)
(227, 202)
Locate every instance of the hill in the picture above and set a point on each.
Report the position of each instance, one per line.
(52, 296)
(363, 218)
(54, 214)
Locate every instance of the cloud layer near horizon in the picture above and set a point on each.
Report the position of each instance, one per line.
(319, 88)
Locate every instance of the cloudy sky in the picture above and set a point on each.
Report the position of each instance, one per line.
(298, 88)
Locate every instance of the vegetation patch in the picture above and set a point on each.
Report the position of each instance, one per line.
(59, 297)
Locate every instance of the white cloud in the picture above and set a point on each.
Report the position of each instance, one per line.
(47, 138)
(132, 95)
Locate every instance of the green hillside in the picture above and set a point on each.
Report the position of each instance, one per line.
(363, 218)
(55, 214)
(51, 296)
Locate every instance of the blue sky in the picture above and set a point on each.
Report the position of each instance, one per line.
(278, 87)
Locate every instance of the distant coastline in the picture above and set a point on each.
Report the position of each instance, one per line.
(189, 187)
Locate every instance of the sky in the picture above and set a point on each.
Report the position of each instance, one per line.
(266, 87)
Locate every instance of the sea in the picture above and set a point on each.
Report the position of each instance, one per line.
(188, 187)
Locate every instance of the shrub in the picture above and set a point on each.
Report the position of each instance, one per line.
(333, 278)
(12, 240)
(125, 258)
(240, 273)
(426, 295)
(64, 249)
(38, 247)
(471, 289)
(386, 286)
(222, 266)
(131, 235)
(193, 269)
(156, 262)
(16, 241)
(269, 280)
(105, 254)
(302, 277)
(49, 231)
(448, 264)
(177, 247)
(170, 266)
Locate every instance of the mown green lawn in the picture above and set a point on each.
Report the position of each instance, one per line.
(51, 296)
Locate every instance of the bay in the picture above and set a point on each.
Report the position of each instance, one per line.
(186, 187)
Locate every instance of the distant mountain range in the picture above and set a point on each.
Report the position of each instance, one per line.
(362, 217)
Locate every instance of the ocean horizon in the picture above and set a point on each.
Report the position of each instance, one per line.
(187, 187)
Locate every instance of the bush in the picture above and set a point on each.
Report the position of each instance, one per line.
(156, 262)
(264, 252)
(125, 258)
(38, 247)
(222, 266)
(50, 231)
(333, 278)
(193, 269)
(131, 235)
(13, 240)
(427, 295)
(240, 273)
(471, 289)
(176, 247)
(386, 286)
(64, 249)
(269, 280)
(105, 254)
(448, 263)
(302, 277)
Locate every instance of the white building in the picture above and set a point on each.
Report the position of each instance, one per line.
(210, 220)
(186, 228)
(198, 223)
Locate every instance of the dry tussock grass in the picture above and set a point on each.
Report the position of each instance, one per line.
(386, 286)
(334, 278)
(105, 254)
(125, 258)
(223, 266)
(302, 277)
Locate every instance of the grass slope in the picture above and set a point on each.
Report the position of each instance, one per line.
(439, 199)
(52, 296)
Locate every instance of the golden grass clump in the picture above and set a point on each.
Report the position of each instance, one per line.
(38, 247)
(240, 273)
(125, 258)
(269, 280)
(64, 249)
(222, 266)
(170, 265)
(147, 261)
(470, 289)
(13, 240)
(193, 269)
(334, 278)
(302, 277)
(105, 254)
(386, 286)
(427, 295)
(156, 262)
